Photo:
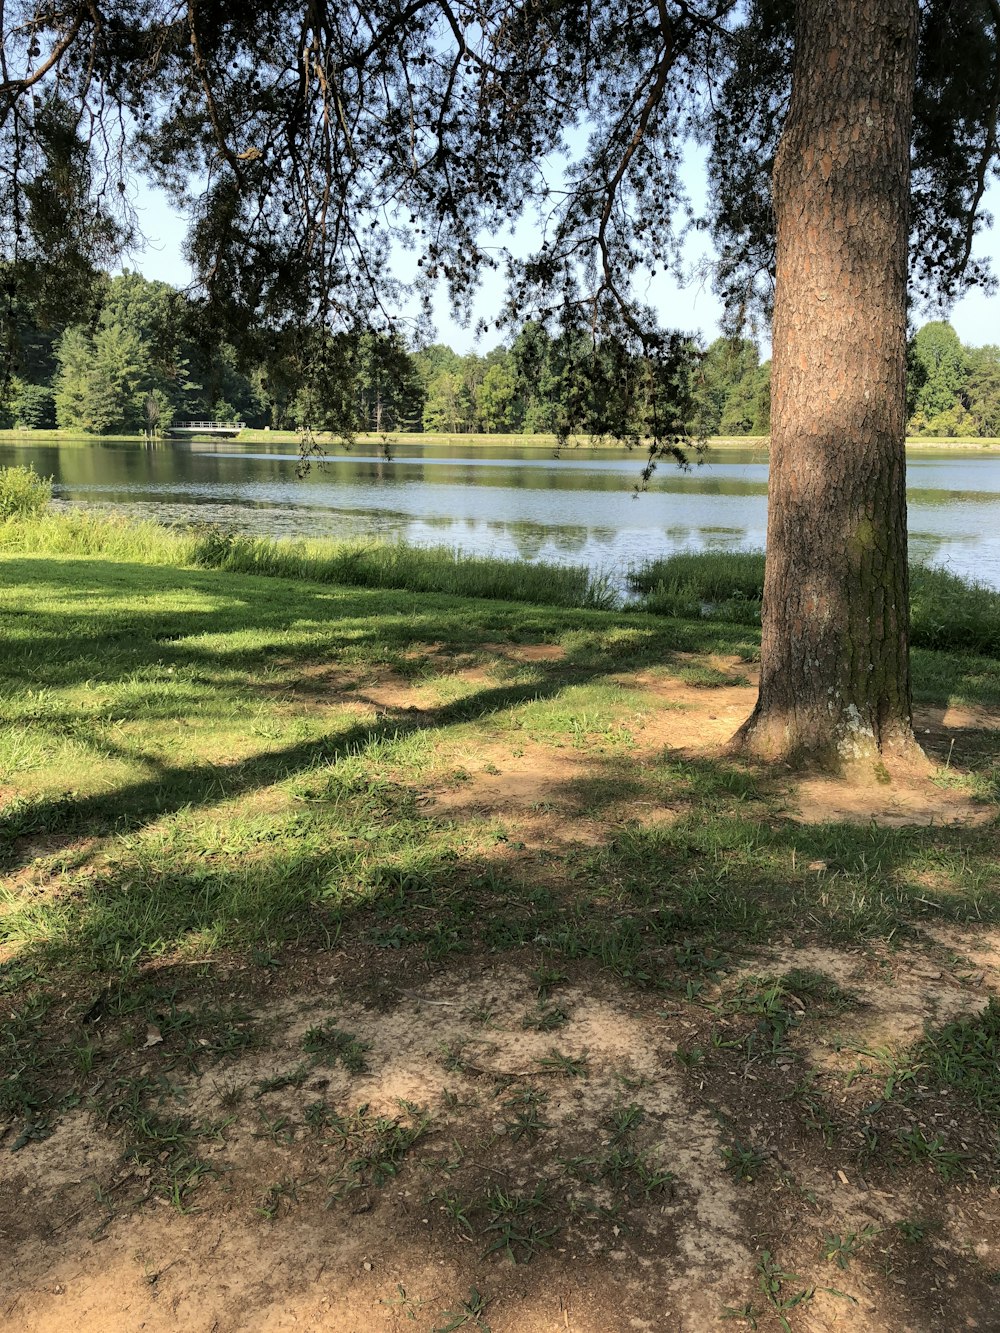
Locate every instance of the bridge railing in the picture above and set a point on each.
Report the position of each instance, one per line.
(209, 425)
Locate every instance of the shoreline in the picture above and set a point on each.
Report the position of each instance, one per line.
(948, 612)
(403, 439)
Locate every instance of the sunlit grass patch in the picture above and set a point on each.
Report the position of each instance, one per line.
(598, 714)
(83, 532)
(234, 750)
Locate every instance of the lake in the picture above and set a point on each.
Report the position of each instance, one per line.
(578, 508)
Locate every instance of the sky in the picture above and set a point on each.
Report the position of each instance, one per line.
(691, 307)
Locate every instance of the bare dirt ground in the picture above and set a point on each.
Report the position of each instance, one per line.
(532, 1151)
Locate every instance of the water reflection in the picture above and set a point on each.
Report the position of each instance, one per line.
(581, 506)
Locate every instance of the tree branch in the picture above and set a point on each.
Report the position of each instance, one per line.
(989, 147)
(18, 86)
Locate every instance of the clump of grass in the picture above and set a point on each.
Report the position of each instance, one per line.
(546, 1018)
(707, 576)
(396, 565)
(23, 493)
(841, 1248)
(965, 1055)
(374, 1145)
(634, 1173)
(722, 585)
(915, 1230)
(282, 1195)
(816, 988)
(568, 1066)
(953, 614)
(743, 1160)
(468, 1315)
(525, 1111)
(329, 1043)
(767, 1000)
(289, 1078)
(84, 532)
(513, 1226)
(948, 1162)
(167, 1145)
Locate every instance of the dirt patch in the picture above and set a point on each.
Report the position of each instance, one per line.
(899, 802)
(461, 1051)
(549, 1105)
(981, 949)
(695, 722)
(512, 778)
(526, 652)
(899, 996)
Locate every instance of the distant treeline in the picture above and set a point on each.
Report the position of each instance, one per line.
(138, 358)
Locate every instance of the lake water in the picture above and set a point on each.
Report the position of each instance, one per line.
(578, 508)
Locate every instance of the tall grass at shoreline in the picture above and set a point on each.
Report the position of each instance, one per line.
(364, 564)
(946, 612)
(24, 438)
(395, 565)
(83, 532)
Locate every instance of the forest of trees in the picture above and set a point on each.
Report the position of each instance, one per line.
(139, 361)
(139, 358)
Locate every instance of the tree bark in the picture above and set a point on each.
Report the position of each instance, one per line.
(835, 681)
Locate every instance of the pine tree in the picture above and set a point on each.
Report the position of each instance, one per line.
(75, 357)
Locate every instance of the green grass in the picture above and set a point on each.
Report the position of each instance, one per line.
(701, 577)
(23, 493)
(206, 728)
(947, 613)
(199, 766)
(965, 1056)
(396, 565)
(160, 711)
(223, 790)
(83, 532)
(366, 564)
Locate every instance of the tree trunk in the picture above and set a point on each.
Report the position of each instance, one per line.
(835, 681)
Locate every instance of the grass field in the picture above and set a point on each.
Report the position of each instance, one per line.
(428, 957)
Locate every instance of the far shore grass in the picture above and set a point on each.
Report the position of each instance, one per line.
(470, 440)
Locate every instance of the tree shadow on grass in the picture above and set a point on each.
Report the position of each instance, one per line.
(178, 786)
(107, 646)
(723, 857)
(412, 921)
(727, 855)
(67, 647)
(660, 907)
(715, 862)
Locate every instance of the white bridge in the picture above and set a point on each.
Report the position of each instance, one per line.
(206, 428)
